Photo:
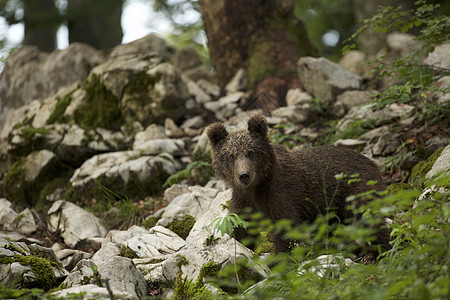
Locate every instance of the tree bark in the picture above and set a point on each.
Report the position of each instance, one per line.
(262, 36)
(41, 20)
(96, 23)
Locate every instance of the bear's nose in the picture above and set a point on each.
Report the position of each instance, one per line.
(244, 177)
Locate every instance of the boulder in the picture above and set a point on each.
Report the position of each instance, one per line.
(128, 172)
(66, 218)
(441, 165)
(150, 44)
(324, 79)
(35, 265)
(26, 178)
(238, 82)
(158, 241)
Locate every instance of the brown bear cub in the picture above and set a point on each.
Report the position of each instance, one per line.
(284, 184)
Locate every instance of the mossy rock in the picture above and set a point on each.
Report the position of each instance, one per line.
(419, 171)
(182, 226)
(100, 108)
(396, 187)
(25, 192)
(149, 222)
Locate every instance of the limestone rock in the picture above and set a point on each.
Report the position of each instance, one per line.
(442, 163)
(297, 96)
(28, 262)
(324, 79)
(186, 58)
(149, 44)
(157, 146)
(27, 178)
(70, 257)
(67, 217)
(7, 212)
(127, 172)
(238, 82)
(295, 114)
(158, 241)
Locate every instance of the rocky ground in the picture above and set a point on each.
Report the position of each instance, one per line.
(92, 145)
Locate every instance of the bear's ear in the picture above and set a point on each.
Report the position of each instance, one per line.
(257, 124)
(216, 132)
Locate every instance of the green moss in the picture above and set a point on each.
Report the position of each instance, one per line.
(57, 115)
(127, 252)
(100, 107)
(263, 244)
(28, 133)
(182, 261)
(423, 167)
(13, 184)
(149, 222)
(395, 187)
(183, 226)
(40, 267)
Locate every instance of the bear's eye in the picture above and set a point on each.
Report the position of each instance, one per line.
(250, 154)
(231, 156)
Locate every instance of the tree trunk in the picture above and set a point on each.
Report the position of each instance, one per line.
(41, 20)
(97, 23)
(261, 36)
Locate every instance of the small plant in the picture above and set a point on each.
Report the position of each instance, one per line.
(280, 137)
(411, 81)
(202, 166)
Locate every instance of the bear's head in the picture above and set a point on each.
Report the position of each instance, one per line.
(241, 157)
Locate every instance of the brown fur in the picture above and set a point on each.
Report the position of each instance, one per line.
(284, 184)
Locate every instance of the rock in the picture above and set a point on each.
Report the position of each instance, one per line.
(186, 58)
(198, 251)
(294, 114)
(329, 266)
(195, 203)
(33, 264)
(440, 57)
(194, 122)
(23, 222)
(226, 106)
(171, 129)
(402, 44)
(385, 115)
(238, 82)
(73, 148)
(30, 74)
(26, 178)
(145, 90)
(127, 172)
(199, 73)
(123, 276)
(7, 213)
(355, 61)
(350, 143)
(26, 139)
(158, 146)
(442, 164)
(158, 241)
(16, 116)
(202, 149)
(196, 91)
(106, 252)
(152, 132)
(387, 144)
(297, 96)
(67, 217)
(150, 44)
(209, 87)
(355, 98)
(90, 291)
(324, 79)
(70, 257)
(174, 191)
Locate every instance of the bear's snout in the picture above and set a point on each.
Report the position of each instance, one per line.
(244, 178)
